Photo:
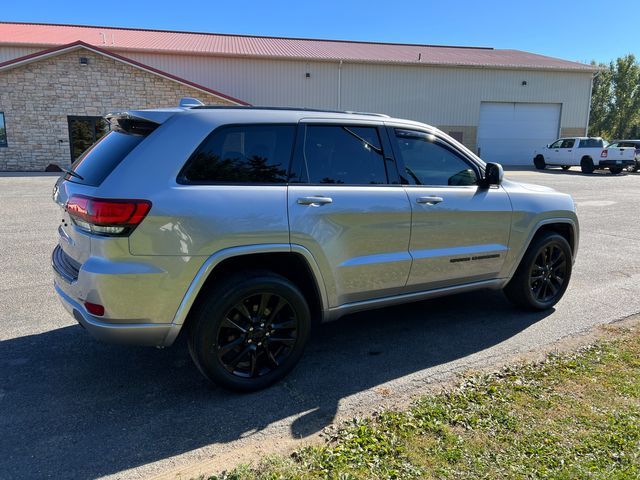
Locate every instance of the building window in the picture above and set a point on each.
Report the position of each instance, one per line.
(84, 132)
(3, 131)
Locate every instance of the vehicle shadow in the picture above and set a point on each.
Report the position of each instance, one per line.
(76, 408)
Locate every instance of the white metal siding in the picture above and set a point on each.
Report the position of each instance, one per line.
(9, 53)
(436, 95)
(508, 133)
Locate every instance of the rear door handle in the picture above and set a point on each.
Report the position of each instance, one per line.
(315, 201)
(431, 200)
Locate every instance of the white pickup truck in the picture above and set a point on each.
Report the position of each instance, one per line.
(590, 153)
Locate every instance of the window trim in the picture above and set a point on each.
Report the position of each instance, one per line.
(180, 180)
(4, 143)
(388, 159)
(475, 166)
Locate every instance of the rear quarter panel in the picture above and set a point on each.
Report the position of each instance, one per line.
(193, 220)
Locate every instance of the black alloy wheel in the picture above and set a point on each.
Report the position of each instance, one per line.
(257, 335)
(543, 275)
(248, 330)
(548, 273)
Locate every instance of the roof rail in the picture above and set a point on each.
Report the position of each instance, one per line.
(368, 113)
(291, 109)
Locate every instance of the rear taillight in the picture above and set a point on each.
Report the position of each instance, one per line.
(604, 154)
(105, 216)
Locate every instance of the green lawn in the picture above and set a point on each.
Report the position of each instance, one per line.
(574, 416)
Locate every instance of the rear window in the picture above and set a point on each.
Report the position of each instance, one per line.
(103, 157)
(242, 154)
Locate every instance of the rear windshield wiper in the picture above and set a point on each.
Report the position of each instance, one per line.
(72, 173)
(372, 147)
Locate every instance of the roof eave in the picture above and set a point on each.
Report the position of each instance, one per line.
(579, 68)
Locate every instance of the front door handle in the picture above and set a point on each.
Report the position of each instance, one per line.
(315, 201)
(431, 200)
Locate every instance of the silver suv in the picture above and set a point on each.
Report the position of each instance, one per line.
(244, 226)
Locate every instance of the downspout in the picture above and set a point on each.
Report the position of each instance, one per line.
(338, 102)
(586, 129)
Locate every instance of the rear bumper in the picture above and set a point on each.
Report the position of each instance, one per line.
(616, 163)
(145, 334)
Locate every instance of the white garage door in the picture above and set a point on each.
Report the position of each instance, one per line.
(508, 133)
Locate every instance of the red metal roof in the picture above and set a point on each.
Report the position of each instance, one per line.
(123, 39)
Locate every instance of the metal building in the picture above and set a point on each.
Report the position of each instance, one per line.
(500, 103)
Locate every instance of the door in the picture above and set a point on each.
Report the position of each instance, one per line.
(508, 133)
(345, 211)
(460, 231)
(84, 132)
(566, 155)
(552, 154)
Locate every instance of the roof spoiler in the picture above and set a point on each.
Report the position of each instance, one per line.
(139, 122)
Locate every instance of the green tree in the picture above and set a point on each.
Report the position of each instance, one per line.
(615, 99)
(600, 101)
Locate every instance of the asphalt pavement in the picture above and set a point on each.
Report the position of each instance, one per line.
(71, 407)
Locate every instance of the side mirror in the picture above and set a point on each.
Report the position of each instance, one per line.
(493, 174)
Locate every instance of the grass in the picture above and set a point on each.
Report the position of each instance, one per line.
(573, 416)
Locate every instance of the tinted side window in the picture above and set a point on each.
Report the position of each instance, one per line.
(568, 143)
(591, 143)
(428, 162)
(334, 154)
(556, 144)
(242, 154)
(103, 157)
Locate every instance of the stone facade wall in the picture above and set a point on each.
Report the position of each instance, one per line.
(37, 98)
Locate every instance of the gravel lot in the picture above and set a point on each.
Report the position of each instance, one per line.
(71, 407)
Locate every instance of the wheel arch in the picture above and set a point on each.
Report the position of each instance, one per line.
(567, 227)
(294, 263)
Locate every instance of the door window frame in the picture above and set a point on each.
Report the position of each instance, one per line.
(477, 168)
(388, 159)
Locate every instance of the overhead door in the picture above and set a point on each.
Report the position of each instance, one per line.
(508, 133)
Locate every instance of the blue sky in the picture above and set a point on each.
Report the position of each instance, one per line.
(560, 28)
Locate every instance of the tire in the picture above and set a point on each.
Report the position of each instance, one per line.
(539, 275)
(615, 170)
(586, 165)
(539, 162)
(565, 167)
(632, 168)
(232, 334)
